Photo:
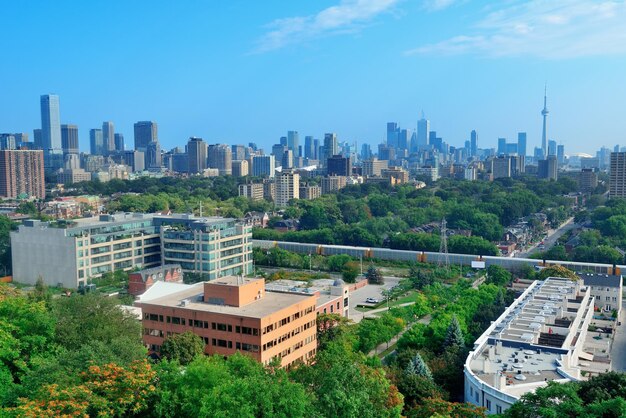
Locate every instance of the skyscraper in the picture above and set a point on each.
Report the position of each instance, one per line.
(69, 139)
(145, 132)
(293, 142)
(287, 188)
(404, 140)
(473, 144)
(108, 133)
(331, 146)
(544, 113)
(263, 165)
(309, 147)
(560, 154)
(238, 152)
(423, 129)
(339, 166)
(220, 156)
(501, 146)
(617, 175)
(119, 142)
(197, 151)
(392, 134)
(548, 168)
(551, 147)
(37, 139)
(96, 142)
(153, 155)
(51, 131)
(521, 143)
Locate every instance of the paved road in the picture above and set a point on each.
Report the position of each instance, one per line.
(553, 236)
(370, 291)
(618, 350)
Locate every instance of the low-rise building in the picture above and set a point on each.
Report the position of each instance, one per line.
(607, 289)
(233, 314)
(252, 191)
(142, 280)
(538, 339)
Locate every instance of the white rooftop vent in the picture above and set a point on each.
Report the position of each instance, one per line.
(527, 337)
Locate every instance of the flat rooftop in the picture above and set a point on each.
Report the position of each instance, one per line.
(272, 302)
(233, 281)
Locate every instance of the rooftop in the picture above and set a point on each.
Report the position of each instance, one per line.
(603, 280)
(193, 296)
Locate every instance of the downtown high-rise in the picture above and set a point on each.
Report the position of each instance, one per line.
(51, 131)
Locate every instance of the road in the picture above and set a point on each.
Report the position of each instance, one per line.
(553, 236)
(618, 350)
(370, 291)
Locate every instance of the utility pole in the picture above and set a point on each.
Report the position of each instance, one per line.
(443, 246)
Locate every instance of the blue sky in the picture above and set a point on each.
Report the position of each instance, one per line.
(236, 71)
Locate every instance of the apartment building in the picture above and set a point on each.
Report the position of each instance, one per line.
(68, 253)
(287, 188)
(22, 173)
(252, 191)
(233, 314)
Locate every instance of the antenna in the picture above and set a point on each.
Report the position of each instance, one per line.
(443, 246)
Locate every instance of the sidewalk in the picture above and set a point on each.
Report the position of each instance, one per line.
(384, 346)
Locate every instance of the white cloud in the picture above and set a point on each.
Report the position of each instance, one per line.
(554, 29)
(346, 17)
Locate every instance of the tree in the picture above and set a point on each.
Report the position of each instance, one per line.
(557, 271)
(418, 367)
(498, 275)
(437, 407)
(454, 335)
(554, 400)
(374, 275)
(182, 347)
(350, 271)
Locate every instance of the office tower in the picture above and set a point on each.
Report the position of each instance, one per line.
(108, 133)
(500, 167)
(287, 159)
(220, 156)
(263, 166)
(283, 141)
(134, 159)
(521, 143)
(22, 173)
(617, 175)
(96, 142)
(119, 142)
(51, 131)
(37, 139)
(277, 151)
(240, 168)
(69, 139)
(403, 141)
(300, 151)
(287, 187)
(604, 157)
(434, 141)
(544, 135)
(366, 152)
(238, 152)
(145, 132)
(197, 151)
(548, 168)
(331, 146)
(316, 148)
(588, 180)
(518, 165)
(386, 153)
(616, 148)
(309, 147)
(7, 141)
(153, 156)
(252, 145)
(413, 146)
(538, 153)
(423, 129)
(293, 142)
(473, 144)
(22, 139)
(338, 165)
(560, 154)
(551, 147)
(180, 162)
(501, 146)
(392, 134)
(374, 167)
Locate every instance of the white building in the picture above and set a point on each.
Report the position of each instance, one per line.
(606, 289)
(538, 339)
(287, 188)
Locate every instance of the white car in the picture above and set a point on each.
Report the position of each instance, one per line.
(372, 300)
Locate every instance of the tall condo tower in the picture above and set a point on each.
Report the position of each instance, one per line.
(544, 113)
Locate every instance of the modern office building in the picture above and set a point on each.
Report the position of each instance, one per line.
(287, 159)
(560, 154)
(96, 142)
(338, 165)
(548, 168)
(521, 143)
(538, 339)
(240, 168)
(473, 144)
(119, 142)
(293, 142)
(309, 148)
(374, 167)
(134, 159)
(69, 139)
(287, 188)
(332, 183)
(38, 139)
(233, 314)
(51, 132)
(238, 152)
(108, 135)
(69, 254)
(263, 166)
(7, 141)
(220, 156)
(153, 159)
(145, 133)
(423, 129)
(22, 173)
(197, 151)
(331, 146)
(552, 147)
(617, 175)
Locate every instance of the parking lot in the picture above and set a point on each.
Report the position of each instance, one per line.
(359, 296)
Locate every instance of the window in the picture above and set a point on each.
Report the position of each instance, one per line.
(488, 404)
(498, 409)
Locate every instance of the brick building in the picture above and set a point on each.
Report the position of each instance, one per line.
(140, 281)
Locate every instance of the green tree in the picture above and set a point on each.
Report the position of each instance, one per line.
(350, 271)
(454, 335)
(498, 275)
(557, 271)
(183, 347)
(374, 275)
(418, 367)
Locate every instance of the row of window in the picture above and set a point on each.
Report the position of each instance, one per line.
(287, 320)
(288, 335)
(201, 324)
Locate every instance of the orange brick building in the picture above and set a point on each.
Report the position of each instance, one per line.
(22, 172)
(233, 314)
(140, 281)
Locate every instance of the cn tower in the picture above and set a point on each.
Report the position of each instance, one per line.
(544, 113)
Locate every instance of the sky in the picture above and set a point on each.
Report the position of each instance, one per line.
(247, 71)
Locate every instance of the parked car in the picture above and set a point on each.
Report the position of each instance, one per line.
(372, 300)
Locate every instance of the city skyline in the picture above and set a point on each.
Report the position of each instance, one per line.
(346, 67)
